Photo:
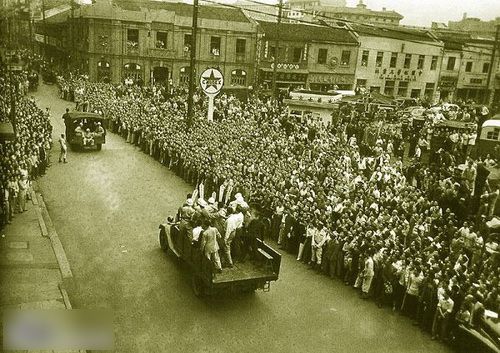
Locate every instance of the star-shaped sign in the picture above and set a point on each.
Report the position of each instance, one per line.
(211, 81)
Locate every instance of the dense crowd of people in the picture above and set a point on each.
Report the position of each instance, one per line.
(25, 155)
(411, 235)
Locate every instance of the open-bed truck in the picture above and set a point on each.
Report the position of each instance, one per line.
(244, 276)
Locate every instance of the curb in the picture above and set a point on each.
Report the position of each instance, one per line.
(57, 247)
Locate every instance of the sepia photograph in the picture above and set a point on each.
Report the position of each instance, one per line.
(245, 176)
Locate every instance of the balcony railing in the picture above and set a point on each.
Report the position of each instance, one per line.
(162, 53)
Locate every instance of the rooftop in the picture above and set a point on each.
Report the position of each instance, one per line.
(358, 11)
(400, 33)
(210, 12)
(304, 32)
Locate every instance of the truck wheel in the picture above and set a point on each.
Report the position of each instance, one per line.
(163, 240)
(99, 146)
(198, 286)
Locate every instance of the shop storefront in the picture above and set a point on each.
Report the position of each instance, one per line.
(326, 82)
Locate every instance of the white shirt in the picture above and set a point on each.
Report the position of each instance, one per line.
(233, 222)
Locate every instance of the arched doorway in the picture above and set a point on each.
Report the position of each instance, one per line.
(184, 76)
(133, 72)
(103, 71)
(238, 78)
(160, 75)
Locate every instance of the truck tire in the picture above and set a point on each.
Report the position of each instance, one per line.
(162, 237)
(198, 286)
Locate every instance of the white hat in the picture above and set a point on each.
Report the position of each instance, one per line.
(211, 201)
(238, 195)
(189, 202)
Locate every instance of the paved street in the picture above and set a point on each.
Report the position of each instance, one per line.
(106, 207)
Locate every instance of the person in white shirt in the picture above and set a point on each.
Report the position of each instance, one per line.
(319, 238)
(233, 223)
(442, 316)
(64, 149)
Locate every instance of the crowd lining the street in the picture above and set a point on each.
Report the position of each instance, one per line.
(402, 233)
(26, 156)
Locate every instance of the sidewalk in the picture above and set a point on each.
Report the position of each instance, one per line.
(33, 265)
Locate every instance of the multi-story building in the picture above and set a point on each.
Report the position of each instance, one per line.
(475, 26)
(361, 13)
(398, 61)
(468, 71)
(309, 56)
(309, 4)
(151, 41)
(317, 11)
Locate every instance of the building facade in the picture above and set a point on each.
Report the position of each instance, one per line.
(362, 14)
(398, 63)
(309, 56)
(469, 70)
(151, 42)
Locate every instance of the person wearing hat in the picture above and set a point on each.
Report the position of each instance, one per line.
(99, 129)
(79, 129)
(88, 137)
(186, 215)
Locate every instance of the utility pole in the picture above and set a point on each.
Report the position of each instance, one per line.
(44, 29)
(491, 90)
(30, 24)
(277, 48)
(192, 64)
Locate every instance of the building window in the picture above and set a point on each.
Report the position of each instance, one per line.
(394, 60)
(407, 62)
(188, 41)
(434, 63)
(468, 66)
(241, 46)
(402, 88)
(476, 81)
(132, 40)
(297, 54)
(380, 59)
(450, 66)
(361, 83)
(322, 55)
(238, 78)
(364, 58)
(389, 88)
(429, 89)
(272, 52)
(161, 40)
(345, 58)
(215, 46)
(184, 76)
(415, 93)
(486, 68)
(493, 135)
(421, 62)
